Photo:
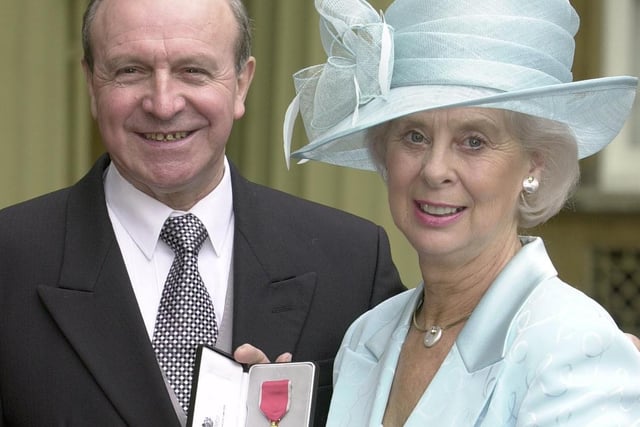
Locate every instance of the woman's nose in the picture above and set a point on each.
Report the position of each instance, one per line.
(438, 165)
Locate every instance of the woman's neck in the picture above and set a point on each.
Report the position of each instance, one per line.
(453, 287)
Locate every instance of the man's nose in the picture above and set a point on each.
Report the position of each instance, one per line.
(164, 99)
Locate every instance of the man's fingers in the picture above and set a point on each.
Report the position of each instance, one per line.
(284, 358)
(249, 355)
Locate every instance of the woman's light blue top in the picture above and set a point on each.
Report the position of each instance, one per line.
(535, 352)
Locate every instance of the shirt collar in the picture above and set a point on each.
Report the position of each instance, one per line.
(142, 216)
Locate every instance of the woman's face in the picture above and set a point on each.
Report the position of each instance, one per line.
(454, 178)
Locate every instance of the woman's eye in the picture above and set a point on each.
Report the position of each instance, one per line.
(415, 137)
(475, 142)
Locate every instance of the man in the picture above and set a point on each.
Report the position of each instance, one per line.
(83, 270)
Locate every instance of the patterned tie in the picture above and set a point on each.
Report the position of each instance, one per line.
(185, 317)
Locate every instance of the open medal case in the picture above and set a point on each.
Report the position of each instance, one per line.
(228, 394)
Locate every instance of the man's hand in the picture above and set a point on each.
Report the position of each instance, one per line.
(251, 355)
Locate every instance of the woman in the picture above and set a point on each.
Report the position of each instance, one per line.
(469, 112)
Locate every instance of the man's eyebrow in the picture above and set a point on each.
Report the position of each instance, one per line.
(116, 61)
(201, 59)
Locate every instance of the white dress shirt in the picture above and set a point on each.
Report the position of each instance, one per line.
(137, 220)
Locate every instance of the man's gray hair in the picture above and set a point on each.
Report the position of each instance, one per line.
(243, 43)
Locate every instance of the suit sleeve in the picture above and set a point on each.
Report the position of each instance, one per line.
(387, 281)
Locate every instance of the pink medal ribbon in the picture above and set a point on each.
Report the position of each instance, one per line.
(274, 400)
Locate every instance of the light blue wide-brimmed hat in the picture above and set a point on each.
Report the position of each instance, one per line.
(427, 54)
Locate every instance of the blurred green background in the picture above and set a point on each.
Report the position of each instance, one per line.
(50, 140)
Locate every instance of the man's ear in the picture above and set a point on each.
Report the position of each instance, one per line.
(88, 77)
(243, 82)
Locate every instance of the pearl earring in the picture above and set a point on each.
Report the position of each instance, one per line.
(530, 184)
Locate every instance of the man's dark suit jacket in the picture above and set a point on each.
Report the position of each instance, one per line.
(73, 346)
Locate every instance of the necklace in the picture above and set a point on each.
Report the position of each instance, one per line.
(434, 333)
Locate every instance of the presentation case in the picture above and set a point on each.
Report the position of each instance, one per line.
(228, 394)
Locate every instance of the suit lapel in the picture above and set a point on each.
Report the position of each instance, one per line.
(271, 298)
(96, 310)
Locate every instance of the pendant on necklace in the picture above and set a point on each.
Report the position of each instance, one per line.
(432, 336)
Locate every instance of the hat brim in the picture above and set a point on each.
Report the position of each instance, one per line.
(595, 110)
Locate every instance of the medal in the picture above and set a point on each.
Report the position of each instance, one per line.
(274, 400)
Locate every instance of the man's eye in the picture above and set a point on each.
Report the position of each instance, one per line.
(127, 70)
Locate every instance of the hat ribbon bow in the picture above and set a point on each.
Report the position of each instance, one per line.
(359, 47)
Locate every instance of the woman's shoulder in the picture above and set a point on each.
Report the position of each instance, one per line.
(554, 300)
(382, 318)
(567, 357)
(559, 319)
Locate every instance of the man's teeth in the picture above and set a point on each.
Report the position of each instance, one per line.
(166, 136)
(438, 210)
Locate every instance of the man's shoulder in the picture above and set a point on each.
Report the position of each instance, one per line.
(88, 189)
(44, 205)
(31, 227)
(292, 207)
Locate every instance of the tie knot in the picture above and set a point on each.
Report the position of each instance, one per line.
(184, 234)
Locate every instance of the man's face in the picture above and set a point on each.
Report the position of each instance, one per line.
(165, 92)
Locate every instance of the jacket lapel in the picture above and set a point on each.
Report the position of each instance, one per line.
(455, 394)
(96, 309)
(272, 297)
(463, 388)
(456, 397)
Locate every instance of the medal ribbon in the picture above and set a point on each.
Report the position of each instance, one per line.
(274, 399)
